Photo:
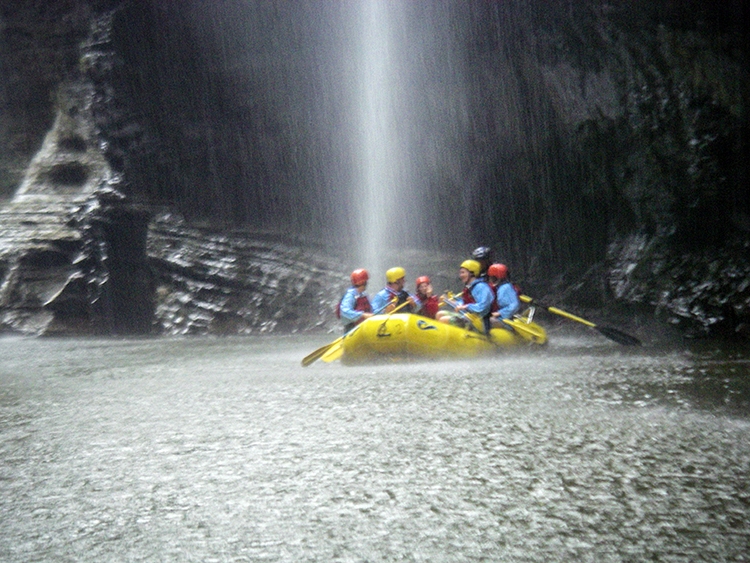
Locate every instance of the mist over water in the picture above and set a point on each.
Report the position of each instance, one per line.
(227, 450)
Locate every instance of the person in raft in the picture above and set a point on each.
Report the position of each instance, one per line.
(430, 302)
(506, 297)
(394, 294)
(477, 298)
(483, 255)
(354, 306)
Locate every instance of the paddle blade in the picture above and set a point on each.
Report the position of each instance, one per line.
(530, 332)
(611, 333)
(317, 354)
(476, 322)
(618, 336)
(314, 356)
(333, 353)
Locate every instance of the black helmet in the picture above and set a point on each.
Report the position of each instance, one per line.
(482, 253)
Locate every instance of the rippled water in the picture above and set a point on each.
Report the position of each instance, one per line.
(227, 450)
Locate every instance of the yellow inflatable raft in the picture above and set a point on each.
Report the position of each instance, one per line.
(401, 336)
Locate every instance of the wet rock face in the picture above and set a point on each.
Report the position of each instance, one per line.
(73, 265)
(702, 293)
(78, 257)
(94, 267)
(36, 283)
(52, 241)
(38, 47)
(236, 283)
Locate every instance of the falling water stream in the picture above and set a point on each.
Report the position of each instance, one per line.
(384, 190)
(377, 187)
(227, 450)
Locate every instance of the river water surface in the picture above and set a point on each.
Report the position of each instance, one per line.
(227, 450)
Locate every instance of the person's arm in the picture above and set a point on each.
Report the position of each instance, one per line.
(416, 301)
(380, 301)
(483, 297)
(346, 308)
(507, 301)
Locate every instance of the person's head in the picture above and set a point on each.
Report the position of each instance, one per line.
(396, 278)
(483, 255)
(497, 273)
(359, 278)
(468, 270)
(423, 282)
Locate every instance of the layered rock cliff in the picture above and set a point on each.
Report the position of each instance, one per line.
(602, 149)
(83, 252)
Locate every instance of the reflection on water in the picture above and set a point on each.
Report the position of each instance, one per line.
(227, 450)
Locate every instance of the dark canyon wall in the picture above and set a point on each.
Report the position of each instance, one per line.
(600, 148)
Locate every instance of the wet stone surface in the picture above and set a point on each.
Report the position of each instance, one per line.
(227, 450)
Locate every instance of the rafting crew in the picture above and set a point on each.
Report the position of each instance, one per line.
(506, 302)
(476, 299)
(394, 294)
(355, 306)
(487, 295)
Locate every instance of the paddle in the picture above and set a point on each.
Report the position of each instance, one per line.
(320, 352)
(337, 350)
(317, 354)
(611, 333)
(528, 331)
(475, 321)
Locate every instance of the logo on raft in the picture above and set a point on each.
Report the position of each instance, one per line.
(382, 332)
(424, 325)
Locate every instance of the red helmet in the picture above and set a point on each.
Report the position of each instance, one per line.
(359, 276)
(422, 279)
(499, 271)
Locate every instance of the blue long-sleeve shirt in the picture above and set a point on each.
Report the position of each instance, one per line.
(507, 300)
(483, 296)
(348, 302)
(386, 296)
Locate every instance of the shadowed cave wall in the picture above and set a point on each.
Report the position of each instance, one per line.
(600, 149)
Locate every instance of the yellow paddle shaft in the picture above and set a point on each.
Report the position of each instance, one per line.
(562, 313)
(556, 311)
